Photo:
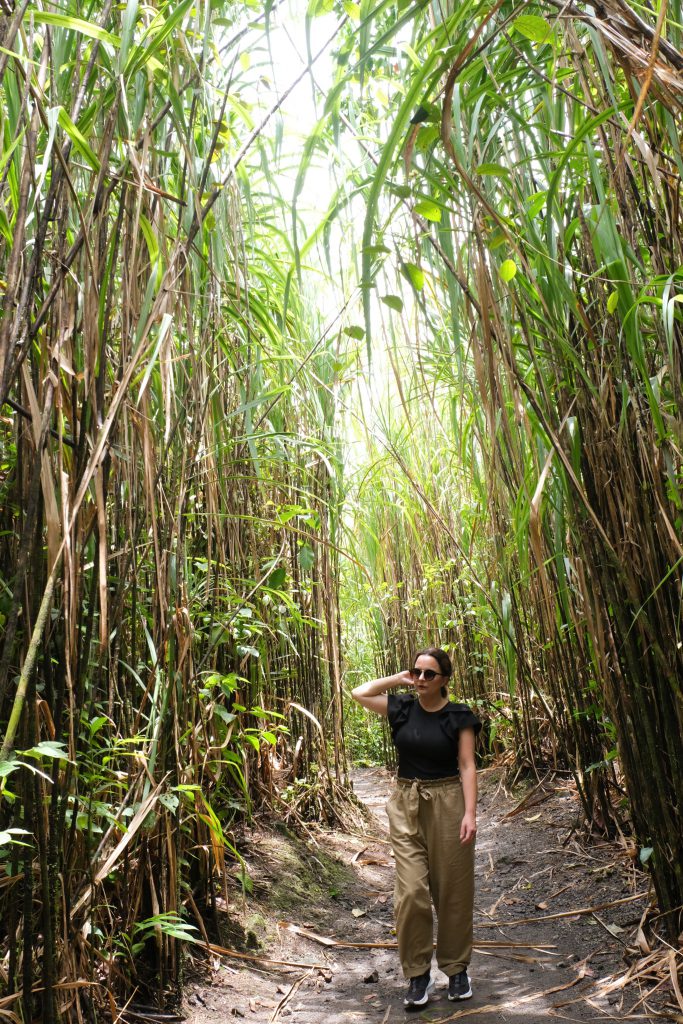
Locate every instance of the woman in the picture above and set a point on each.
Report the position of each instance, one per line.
(432, 821)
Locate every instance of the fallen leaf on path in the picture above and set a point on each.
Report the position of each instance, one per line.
(535, 817)
(541, 906)
(358, 913)
(643, 944)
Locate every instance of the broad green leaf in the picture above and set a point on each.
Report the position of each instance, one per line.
(48, 748)
(7, 767)
(495, 170)
(277, 578)
(612, 301)
(318, 7)
(357, 333)
(508, 270)
(532, 27)
(8, 836)
(429, 210)
(414, 275)
(352, 10)
(393, 302)
(306, 557)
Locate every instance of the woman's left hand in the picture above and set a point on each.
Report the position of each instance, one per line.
(468, 828)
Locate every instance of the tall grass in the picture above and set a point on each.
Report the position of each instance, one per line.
(170, 631)
(538, 152)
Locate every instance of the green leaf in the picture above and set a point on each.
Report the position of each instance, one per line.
(645, 854)
(393, 302)
(508, 270)
(429, 210)
(76, 25)
(78, 139)
(427, 135)
(48, 748)
(7, 767)
(352, 10)
(495, 170)
(414, 275)
(318, 7)
(223, 713)
(170, 801)
(612, 302)
(277, 578)
(532, 27)
(306, 557)
(7, 836)
(357, 333)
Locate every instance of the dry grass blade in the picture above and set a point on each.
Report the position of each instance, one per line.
(673, 974)
(565, 913)
(324, 940)
(225, 951)
(288, 995)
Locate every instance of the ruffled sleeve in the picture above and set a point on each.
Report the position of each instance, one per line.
(457, 717)
(398, 710)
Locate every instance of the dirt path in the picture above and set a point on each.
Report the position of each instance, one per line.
(339, 886)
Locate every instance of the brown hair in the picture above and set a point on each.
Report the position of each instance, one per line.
(440, 656)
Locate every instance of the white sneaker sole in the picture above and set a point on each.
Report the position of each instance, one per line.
(419, 1002)
(465, 995)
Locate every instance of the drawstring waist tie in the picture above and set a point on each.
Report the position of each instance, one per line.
(414, 790)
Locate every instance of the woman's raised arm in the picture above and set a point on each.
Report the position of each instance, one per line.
(373, 695)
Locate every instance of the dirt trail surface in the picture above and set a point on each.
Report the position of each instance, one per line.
(338, 886)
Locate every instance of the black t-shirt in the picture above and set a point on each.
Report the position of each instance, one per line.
(427, 741)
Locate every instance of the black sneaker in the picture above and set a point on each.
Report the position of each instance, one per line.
(459, 986)
(418, 990)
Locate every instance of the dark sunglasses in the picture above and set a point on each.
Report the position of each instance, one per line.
(428, 673)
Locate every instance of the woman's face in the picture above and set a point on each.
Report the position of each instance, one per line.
(426, 687)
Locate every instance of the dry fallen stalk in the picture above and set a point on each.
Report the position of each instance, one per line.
(288, 995)
(324, 940)
(564, 913)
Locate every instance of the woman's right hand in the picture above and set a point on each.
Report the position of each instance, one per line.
(373, 695)
(404, 678)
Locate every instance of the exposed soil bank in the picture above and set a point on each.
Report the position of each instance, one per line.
(530, 864)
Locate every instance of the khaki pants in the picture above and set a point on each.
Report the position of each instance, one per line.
(424, 826)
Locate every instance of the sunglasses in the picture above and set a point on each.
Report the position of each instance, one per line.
(428, 673)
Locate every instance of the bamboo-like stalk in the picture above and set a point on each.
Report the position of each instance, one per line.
(157, 437)
(555, 224)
